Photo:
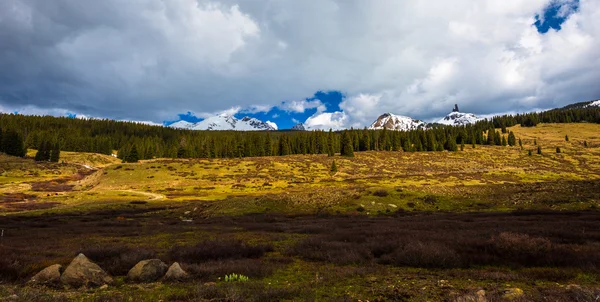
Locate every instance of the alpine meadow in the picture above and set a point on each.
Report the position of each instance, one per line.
(316, 150)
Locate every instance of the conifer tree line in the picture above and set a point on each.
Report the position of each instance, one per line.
(134, 141)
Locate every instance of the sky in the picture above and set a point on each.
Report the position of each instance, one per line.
(326, 63)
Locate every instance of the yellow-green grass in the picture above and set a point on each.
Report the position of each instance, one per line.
(303, 183)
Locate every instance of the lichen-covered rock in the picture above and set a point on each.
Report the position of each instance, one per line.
(83, 272)
(49, 276)
(175, 273)
(147, 271)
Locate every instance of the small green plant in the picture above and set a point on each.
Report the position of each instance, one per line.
(236, 278)
(334, 168)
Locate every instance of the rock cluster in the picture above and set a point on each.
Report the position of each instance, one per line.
(82, 272)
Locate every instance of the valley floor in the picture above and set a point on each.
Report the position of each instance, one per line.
(486, 223)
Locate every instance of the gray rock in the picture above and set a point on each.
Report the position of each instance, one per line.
(175, 273)
(147, 271)
(83, 272)
(49, 276)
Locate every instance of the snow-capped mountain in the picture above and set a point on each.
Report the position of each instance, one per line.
(457, 118)
(396, 122)
(226, 122)
(299, 127)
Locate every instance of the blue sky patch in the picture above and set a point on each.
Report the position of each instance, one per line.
(555, 15)
(283, 118)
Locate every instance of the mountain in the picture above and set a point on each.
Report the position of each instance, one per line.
(299, 127)
(396, 122)
(582, 105)
(226, 122)
(457, 118)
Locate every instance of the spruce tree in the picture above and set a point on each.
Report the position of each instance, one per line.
(557, 149)
(55, 155)
(504, 143)
(529, 152)
(567, 138)
(132, 156)
(347, 148)
(13, 144)
(497, 139)
(511, 139)
(330, 144)
(462, 146)
(490, 137)
(334, 168)
(539, 150)
(268, 145)
(42, 152)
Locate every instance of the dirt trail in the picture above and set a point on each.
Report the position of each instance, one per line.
(153, 196)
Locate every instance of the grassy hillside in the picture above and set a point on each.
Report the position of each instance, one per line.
(387, 225)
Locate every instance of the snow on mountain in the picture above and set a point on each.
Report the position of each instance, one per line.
(457, 118)
(594, 104)
(182, 125)
(226, 122)
(396, 122)
(299, 127)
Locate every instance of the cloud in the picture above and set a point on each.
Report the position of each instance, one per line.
(272, 124)
(153, 59)
(302, 106)
(327, 120)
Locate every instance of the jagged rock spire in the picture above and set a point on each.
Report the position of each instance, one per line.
(455, 108)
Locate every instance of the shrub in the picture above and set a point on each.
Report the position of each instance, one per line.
(430, 199)
(423, 254)
(217, 250)
(381, 193)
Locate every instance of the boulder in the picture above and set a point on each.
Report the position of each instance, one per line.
(175, 273)
(83, 272)
(48, 276)
(147, 271)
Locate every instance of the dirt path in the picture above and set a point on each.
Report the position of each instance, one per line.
(153, 196)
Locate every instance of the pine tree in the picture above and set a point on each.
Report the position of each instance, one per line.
(557, 149)
(462, 146)
(347, 148)
(504, 143)
(330, 144)
(567, 138)
(55, 155)
(539, 150)
(42, 152)
(268, 145)
(497, 139)
(132, 156)
(511, 139)
(13, 145)
(334, 168)
(490, 137)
